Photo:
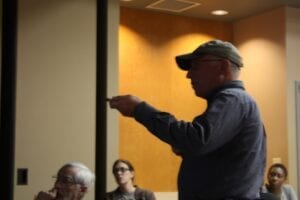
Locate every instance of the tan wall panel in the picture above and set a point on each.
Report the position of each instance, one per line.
(293, 73)
(148, 43)
(55, 91)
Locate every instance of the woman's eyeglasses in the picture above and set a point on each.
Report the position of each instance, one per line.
(120, 169)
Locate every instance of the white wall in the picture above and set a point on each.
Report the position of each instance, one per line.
(56, 87)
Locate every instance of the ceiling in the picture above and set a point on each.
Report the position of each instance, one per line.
(202, 8)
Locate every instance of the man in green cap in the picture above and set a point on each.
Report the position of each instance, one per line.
(223, 149)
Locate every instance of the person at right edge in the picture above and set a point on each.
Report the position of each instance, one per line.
(223, 149)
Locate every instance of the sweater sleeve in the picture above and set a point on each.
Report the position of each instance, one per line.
(207, 132)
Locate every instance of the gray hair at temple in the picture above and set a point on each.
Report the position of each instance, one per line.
(84, 175)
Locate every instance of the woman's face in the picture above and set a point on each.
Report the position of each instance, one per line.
(276, 177)
(123, 174)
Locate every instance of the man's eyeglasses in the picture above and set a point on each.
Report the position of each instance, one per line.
(66, 180)
(120, 169)
(209, 60)
(197, 63)
(206, 60)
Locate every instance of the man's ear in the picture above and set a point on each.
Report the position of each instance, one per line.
(225, 67)
(224, 70)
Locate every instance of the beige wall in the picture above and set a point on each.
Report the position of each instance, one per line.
(263, 47)
(112, 90)
(56, 79)
(271, 54)
(292, 39)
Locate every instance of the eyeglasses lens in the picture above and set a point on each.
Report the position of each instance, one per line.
(120, 169)
(64, 180)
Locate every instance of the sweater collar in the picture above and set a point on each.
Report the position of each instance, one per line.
(233, 84)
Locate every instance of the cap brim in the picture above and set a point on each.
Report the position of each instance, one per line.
(184, 61)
